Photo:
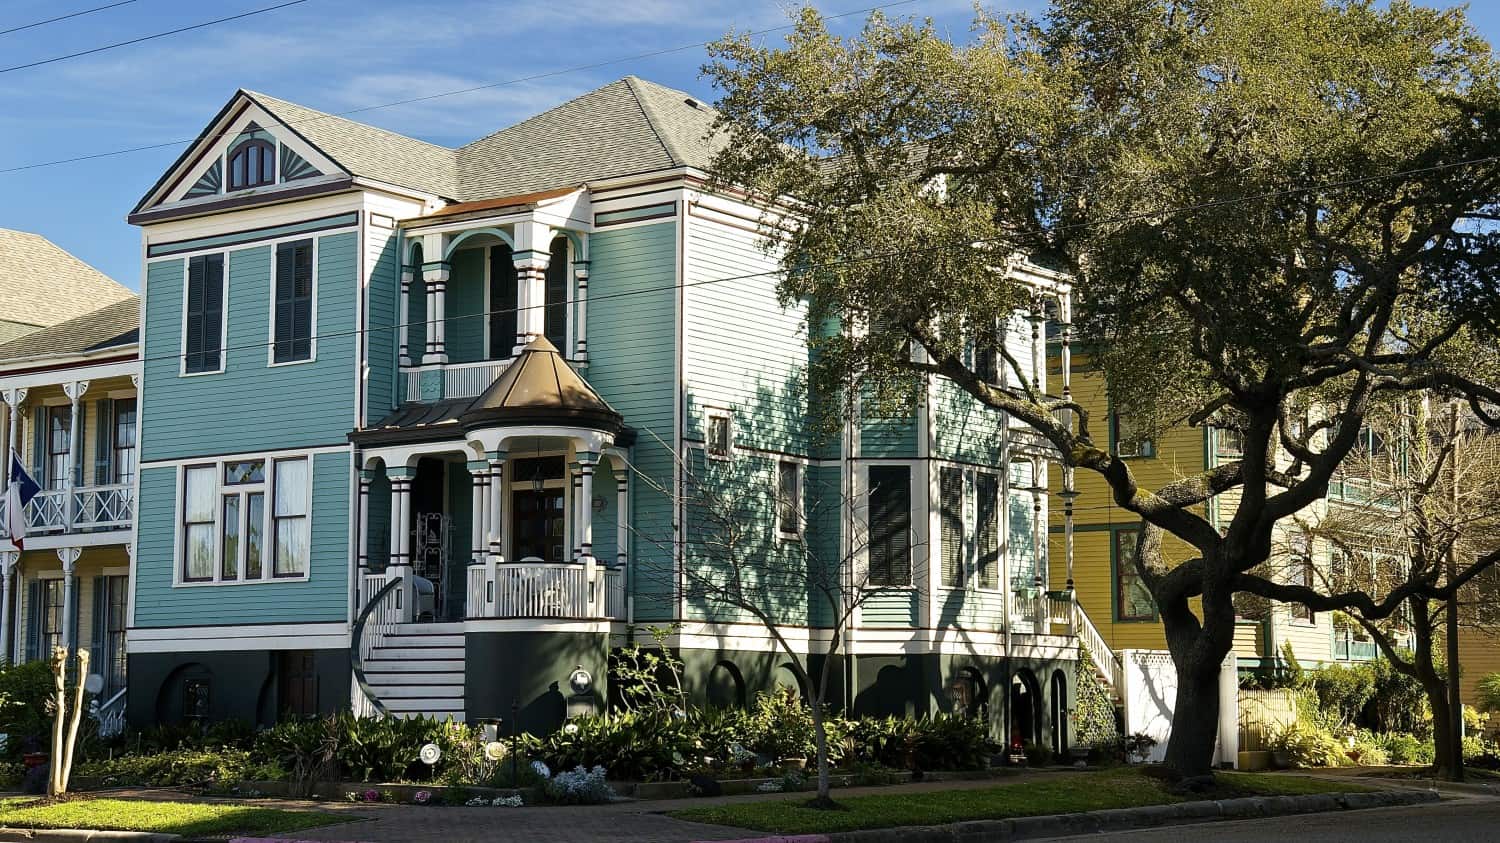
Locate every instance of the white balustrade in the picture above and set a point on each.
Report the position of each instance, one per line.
(460, 380)
(384, 617)
(540, 590)
(614, 593)
(94, 508)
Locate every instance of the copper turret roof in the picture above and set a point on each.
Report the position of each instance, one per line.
(539, 387)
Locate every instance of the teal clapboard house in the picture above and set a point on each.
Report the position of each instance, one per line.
(432, 430)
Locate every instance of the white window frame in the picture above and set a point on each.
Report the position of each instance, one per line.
(799, 467)
(312, 346)
(187, 262)
(221, 490)
(709, 416)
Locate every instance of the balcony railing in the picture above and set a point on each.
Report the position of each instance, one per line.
(94, 508)
(454, 380)
(545, 590)
(1038, 612)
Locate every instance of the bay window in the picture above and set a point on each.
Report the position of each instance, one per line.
(225, 520)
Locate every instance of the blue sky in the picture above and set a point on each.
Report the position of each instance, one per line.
(332, 55)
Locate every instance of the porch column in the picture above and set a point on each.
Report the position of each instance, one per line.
(581, 331)
(585, 489)
(404, 331)
(1038, 534)
(479, 475)
(532, 257)
(362, 550)
(622, 517)
(13, 400)
(7, 597)
(576, 474)
(436, 275)
(400, 566)
(495, 518)
(69, 557)
(74, 391)
(1036, 318)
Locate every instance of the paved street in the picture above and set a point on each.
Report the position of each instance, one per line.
(1457, 820)
(402, 824)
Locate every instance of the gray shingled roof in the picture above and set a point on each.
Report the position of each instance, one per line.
(44, 285)
(113, 325)
(626, 127)
(364, 150)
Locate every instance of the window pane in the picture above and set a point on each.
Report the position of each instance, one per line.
(255, 514)
(198, 504)
(200, 552)
(789, 495)
(291, 487)
(229, 567)
(249, 471)
(291, 546)
(124, 459)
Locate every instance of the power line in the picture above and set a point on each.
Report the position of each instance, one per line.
(78, 14)
(426, 98)
(145, 38)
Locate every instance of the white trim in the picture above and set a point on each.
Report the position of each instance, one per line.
(711, 413)
(223, 139)
(799, 528)
(541, 625)
(199, 639)
(245, 455)
(312, 340)
(872, 641)
(97, 539)
(255, 244)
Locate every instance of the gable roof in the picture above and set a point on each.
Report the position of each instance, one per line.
(364, 150)
(626, 127)
(45, 285)
(111, 326)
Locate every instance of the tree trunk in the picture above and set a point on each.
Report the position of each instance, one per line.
(1198, 650)
(1448, 754)
(820, 749)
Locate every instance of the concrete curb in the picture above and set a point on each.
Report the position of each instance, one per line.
(1118, 819)
(68, 835)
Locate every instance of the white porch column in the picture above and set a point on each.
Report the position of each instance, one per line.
(479, 475)
(8, 561)
(400, 565)
(532, 256)
(404, 332)
(622, 517)
(362, 550)
(586, 504)
(69, 557)
(436, 274)
(13, 400)
(1037, 356)
(575, 519)
(495, 518)
(581, 328)
(74, 391)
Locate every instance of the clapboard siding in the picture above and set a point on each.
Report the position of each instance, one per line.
(743, 350)
(632, 364)
(964, 429)
(320, 598)
(383, 255)
(251, 405)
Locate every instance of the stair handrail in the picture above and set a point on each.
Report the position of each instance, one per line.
(356, 642)
(1105, 657)
(110, 714)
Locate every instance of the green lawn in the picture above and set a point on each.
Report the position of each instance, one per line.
(188, 818)
(1071, 793)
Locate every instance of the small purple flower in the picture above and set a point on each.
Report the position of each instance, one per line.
(422, 797)
(372, 796)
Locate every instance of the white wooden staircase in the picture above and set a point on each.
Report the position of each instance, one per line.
(418, 668)
(1108, 668)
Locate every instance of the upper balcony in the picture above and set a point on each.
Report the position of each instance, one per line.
(475, 291)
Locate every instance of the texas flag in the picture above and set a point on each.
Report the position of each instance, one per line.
(17, 495)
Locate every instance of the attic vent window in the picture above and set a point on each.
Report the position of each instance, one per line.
(252, 165)
(692, 103)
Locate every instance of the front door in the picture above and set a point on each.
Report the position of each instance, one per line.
(538, 524)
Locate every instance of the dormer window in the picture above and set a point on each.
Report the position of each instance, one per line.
(253, 164)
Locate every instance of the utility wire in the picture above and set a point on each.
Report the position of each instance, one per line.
(428, 97)
(145, 38)
(78, 14)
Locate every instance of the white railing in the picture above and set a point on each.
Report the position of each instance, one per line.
(110, 714)
(614, 593)
(384, 617)
(94, 508)
(460, 380)
(1037, 612)
(535, 589)
(1103, 655)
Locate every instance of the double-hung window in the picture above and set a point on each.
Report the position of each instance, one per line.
(890, 525)
(1133, 601)
(293, 311)
(1130, 440)
(59, 445)
(124, 440)
(720, 440)
(226, 520)
(789, 498)
(203, 326)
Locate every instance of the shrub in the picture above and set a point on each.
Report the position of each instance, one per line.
(26, 693)
(579, 786)
(781, 725)
(174, 769)
(1404, 748)
(1308, 746)
(1489, 692)
(1094, 722)
(1368, 750)
(1343, 692)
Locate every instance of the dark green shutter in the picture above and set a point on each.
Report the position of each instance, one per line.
(502, 302)
(213, 312)
(890, 525)
(81, 422)
(951, 489)
(286, 285)
(104, 442)
(193, 334)
(100, 624)
(34, 609)
(556, 322)
(987, 490)
(39, 445)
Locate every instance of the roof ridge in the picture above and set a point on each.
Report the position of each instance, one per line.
(543, 113)
(264, 96)
(634, 83)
